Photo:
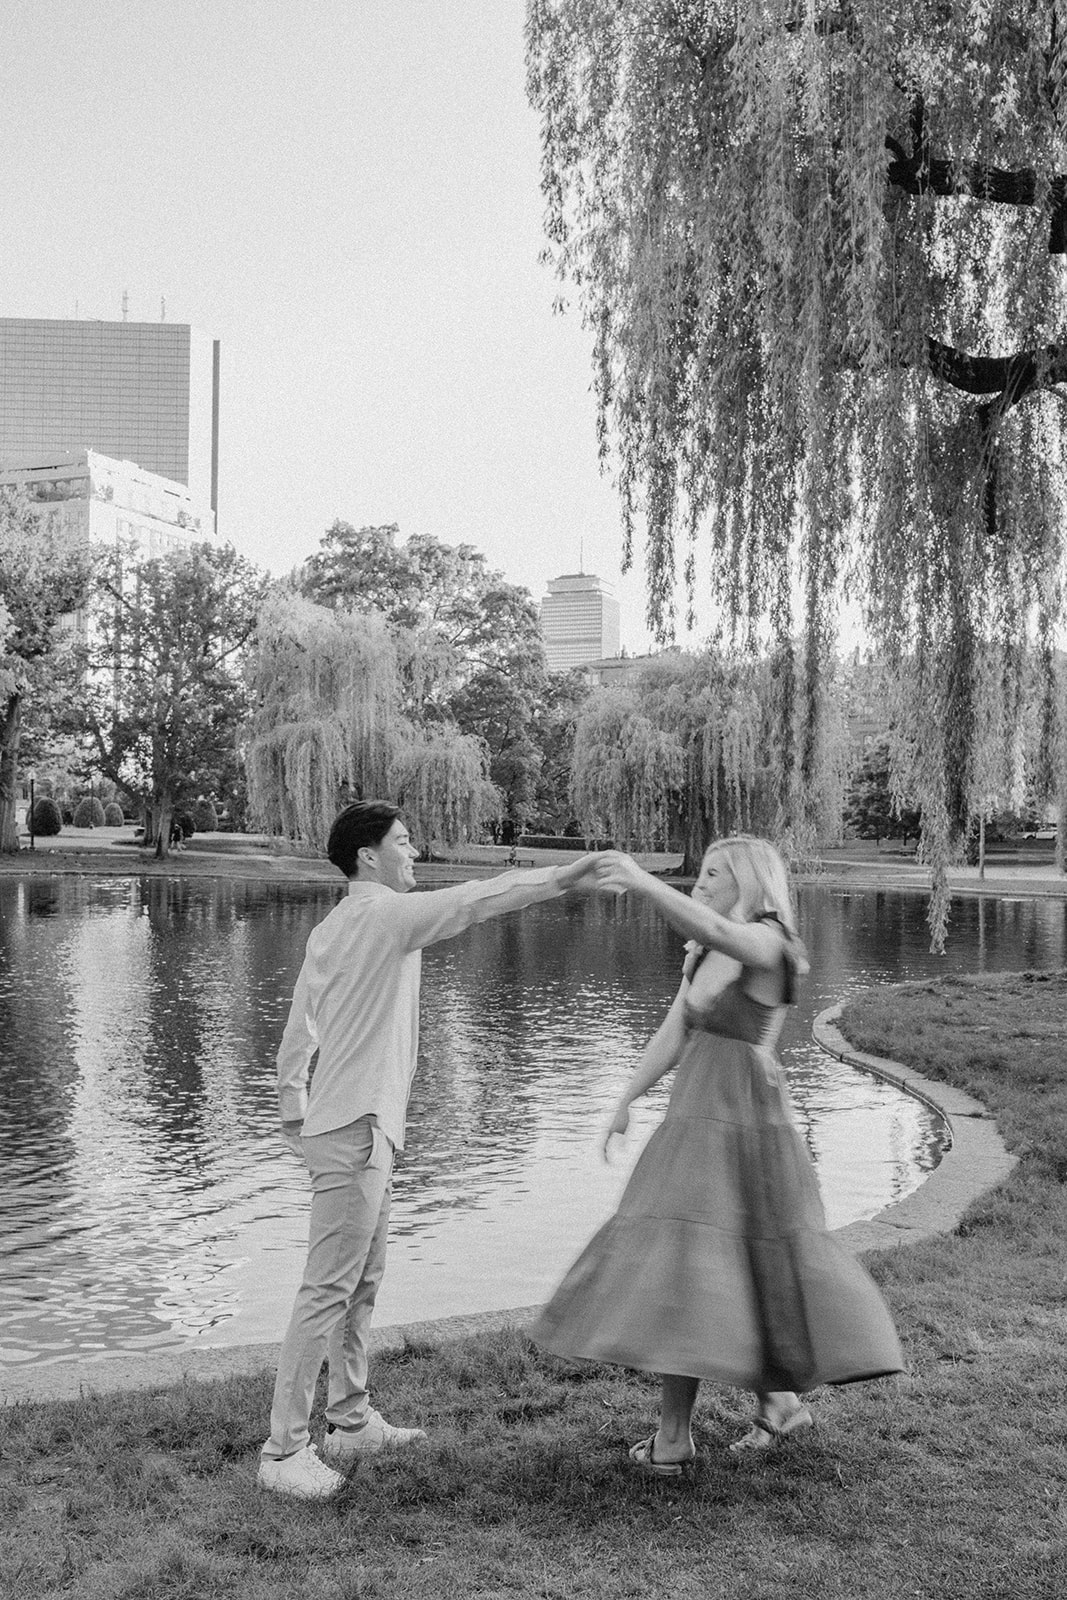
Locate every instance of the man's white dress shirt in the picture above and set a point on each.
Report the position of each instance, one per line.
(356, 999)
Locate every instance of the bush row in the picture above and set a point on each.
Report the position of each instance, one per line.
(48, 819)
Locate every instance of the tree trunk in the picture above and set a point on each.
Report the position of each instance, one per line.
(162, 815)
(10, 723)
(148, 824)
(695, 836)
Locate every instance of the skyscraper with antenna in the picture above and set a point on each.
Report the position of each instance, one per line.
(145, 392)
(579, 619)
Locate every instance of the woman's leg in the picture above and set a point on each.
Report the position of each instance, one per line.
(674, 1437)
(781, 1411)
(776, 1406)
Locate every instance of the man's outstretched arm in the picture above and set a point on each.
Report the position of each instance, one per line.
(428, 918)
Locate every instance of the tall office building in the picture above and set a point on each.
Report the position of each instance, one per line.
(143, 392)
(579, 621)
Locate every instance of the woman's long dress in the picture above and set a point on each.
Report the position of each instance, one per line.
(718, 1263)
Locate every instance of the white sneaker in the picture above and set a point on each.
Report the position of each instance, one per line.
(342, 1445)
(302, 1475)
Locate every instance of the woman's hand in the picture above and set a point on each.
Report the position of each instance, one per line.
(617, 1127)
(617, 871)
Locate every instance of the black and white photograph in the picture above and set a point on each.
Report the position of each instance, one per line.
(533, 782)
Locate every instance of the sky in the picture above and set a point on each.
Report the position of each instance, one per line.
(345, 193)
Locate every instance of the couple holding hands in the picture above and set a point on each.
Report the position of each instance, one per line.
(717, 1263)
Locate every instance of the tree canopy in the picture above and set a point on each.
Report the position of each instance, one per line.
(163, 694)
(685, 751)
(820, 248)
(468, 646)
(872, 810)
(328, 721)
(43, 574)
(453, 615)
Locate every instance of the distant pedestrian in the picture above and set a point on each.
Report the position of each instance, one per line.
(718, 1263)
(357, 1003)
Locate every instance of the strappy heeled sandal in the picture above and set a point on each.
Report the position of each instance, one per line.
(764, 1435)
(642, 1457)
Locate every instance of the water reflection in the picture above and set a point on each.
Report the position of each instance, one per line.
(146, 1200)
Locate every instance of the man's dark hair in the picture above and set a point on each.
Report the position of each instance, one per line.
(365, 822)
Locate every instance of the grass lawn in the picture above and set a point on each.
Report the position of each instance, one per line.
(948, 1483)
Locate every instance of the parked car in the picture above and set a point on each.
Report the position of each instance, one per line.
(1040, 833)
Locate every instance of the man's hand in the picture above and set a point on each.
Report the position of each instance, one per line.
(291, 1135)
(581, 873)
(616, 1128)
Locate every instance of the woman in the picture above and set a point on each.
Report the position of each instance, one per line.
(718, 1263)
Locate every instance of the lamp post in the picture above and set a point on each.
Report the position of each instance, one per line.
(30, 819)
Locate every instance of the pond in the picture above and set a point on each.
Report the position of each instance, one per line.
(147, 1203)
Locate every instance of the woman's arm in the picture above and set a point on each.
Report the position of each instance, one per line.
(754, 944)
(657, 1058)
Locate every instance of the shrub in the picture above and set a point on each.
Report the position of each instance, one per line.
(205, 817)
(88, 813)
(185, 823)
(47, 820)
(113, 817)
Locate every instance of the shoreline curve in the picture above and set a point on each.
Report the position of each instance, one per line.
(975, 1161)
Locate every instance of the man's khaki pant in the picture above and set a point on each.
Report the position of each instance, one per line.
(351, 1169)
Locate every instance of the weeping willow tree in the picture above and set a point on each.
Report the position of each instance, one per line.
(627, 772)
(819, 247)
(441, 779)
(329, 724)
(685, 752)
(326, 691)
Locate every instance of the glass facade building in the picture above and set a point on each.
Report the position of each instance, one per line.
(145, 392)
(579, 621)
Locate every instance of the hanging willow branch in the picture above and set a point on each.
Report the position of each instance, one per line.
(803, 237)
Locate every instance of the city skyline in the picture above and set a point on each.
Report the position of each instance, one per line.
(349, 200)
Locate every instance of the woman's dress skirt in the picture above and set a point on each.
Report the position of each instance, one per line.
(718, 1263)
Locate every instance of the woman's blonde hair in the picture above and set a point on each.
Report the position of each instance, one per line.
(763, 886)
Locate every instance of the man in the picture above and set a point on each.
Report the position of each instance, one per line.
(356, 1002)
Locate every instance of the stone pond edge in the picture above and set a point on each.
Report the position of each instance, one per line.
(975, 1161)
